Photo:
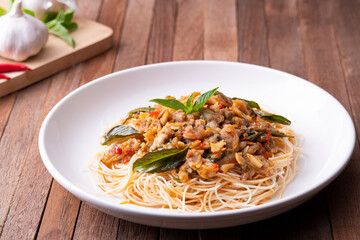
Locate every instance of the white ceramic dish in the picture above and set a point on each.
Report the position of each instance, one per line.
(69, 136)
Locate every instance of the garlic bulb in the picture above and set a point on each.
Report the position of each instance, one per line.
(21, 35)
(40, 7)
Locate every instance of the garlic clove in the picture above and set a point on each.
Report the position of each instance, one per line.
(21, 35)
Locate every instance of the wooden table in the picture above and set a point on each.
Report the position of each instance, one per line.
(317, 40)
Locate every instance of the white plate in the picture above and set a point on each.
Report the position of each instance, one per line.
(69, 136)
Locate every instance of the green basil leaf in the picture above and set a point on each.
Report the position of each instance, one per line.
(121, 132)
(71, 27)
(252, 104)
(60, 31)
(68, 15)
(142, 109)
(278, 134)
(202, 99)
(189, 102)
(60, 16)
(49, 17)
(254, 136)
(2, 11)
(273, 117)
(170, 103)
(27, 11)
(160, 161)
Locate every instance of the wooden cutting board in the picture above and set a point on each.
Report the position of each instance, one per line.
(91, 38)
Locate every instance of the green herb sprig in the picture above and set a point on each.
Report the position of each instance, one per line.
(189, 107)
(61, 25)
(160, 161)
(253, 137)
(121, 133)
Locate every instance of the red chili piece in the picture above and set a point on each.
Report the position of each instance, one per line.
(220, 171)
(3, 76)
(117, 150)
(268, 135)
(126, 160)
(12, 67)
(154, 113)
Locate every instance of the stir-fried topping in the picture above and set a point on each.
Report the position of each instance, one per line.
(200, 134)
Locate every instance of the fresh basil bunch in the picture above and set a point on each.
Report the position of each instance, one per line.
(60, 24)
(189, 107)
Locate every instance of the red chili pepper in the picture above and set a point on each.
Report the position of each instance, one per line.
(221, 106)
(242, 139)
(216, 165)
(3, 76)
(154, 113)
(13, 67)
(202, 145)
(117, 150)
(260, 145)
(126, 160)
(220, 171)
(268, 135)
(229, 109)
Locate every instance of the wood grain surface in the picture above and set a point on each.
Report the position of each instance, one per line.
(91, 39)
(316, 40)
